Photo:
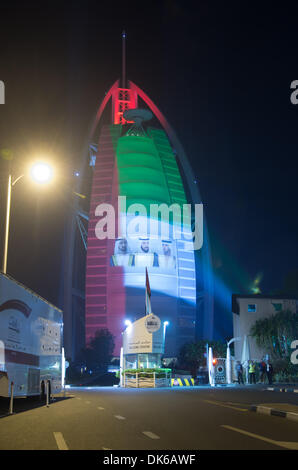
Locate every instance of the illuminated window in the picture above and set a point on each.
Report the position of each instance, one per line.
(277, 307)
(252, 308)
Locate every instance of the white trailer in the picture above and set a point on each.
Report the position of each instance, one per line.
(31, 331)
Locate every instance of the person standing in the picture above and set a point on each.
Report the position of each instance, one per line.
(252, 372)
(262, 369)
(239, 370)
(269, 371)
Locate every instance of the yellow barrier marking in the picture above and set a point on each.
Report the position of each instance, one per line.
(180, 382)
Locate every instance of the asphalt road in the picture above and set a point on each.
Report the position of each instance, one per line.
(177, 419)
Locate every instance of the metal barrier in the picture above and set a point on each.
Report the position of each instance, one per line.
(48, 393)
(146, 380)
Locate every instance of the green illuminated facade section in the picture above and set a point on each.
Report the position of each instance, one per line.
(147, 170)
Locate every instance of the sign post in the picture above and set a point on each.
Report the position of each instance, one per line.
(11, 399)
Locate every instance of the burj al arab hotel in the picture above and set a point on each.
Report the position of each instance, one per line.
(144, 165)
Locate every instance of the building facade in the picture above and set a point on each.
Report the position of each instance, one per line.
(247, 309)
(143, 167)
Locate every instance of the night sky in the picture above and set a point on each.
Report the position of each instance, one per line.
(219, 71)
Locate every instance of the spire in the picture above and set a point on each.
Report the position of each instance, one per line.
(123, 59)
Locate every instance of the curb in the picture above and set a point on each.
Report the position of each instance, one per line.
(275, 389)
(271, 411)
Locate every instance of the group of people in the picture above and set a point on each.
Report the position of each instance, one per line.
(143, 255)
(265, 370)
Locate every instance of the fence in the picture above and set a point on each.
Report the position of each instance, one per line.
(146, 379)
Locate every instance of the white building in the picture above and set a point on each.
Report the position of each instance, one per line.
(247, 309)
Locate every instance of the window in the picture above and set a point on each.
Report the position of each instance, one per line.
(277, 307)
(252, 308)
(186, 323)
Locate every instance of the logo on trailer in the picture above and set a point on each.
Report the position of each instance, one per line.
(16, 305)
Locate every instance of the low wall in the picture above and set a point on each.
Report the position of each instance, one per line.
(150, 381)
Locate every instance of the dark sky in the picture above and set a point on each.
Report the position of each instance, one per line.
(221, 74)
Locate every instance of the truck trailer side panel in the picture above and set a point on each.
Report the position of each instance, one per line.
(30, 340)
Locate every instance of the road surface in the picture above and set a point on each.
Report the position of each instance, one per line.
(178, 419)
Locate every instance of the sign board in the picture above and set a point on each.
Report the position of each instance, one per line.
(144, 336)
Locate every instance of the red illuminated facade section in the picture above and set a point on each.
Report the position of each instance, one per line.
(96, 316)
(103, 309)
(124, 98)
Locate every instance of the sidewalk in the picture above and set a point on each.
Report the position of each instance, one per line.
(284, 410)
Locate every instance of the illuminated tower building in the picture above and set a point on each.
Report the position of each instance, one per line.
(139, 162)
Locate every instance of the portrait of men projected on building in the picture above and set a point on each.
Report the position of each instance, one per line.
(143, 252)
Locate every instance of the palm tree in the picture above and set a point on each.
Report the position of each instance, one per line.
(275, 333)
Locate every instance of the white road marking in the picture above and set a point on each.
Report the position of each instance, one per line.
(119, 417)
(61, 444)
(106, 448)
(287, 445)
(224, 406)
(88, 402)
(151, 435)
(78, 398)
(100, 408)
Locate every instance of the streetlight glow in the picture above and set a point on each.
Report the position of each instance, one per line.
(41, 172)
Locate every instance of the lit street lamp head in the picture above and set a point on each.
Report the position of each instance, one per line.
(41, 172)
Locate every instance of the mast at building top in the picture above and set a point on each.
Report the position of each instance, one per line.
(123, 59)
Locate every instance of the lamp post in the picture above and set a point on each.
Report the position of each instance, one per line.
(228, 362)
(211, 368)
(41, 173)
(165, 324)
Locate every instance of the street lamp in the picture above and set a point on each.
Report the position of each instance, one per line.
(128, 324)
(165, 324)
(41, 173)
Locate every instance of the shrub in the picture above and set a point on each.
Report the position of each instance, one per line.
(159, 373)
